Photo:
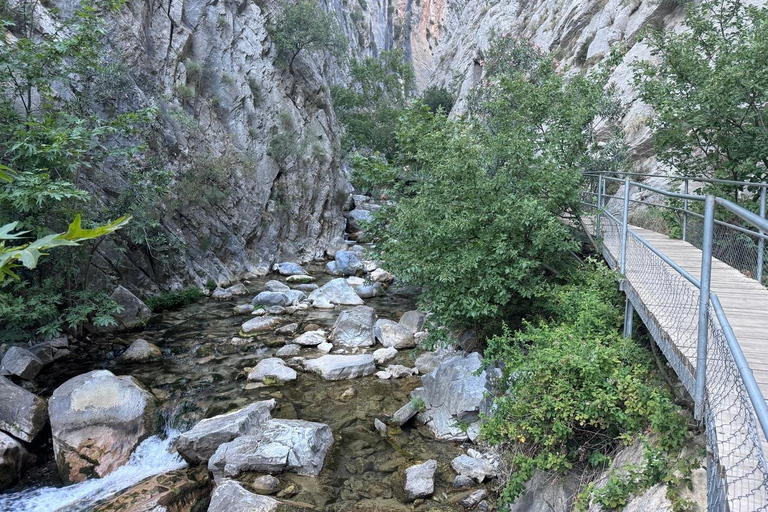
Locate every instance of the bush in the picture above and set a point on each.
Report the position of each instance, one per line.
(438, 98)
(173, 300)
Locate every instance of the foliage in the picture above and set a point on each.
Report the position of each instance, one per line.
(573, 388)
(370, 172)
(173, 300)
(437, 98)
(304, 25)
(370, 106)
(709, 91)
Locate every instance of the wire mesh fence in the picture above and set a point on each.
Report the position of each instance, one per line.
(668, 303)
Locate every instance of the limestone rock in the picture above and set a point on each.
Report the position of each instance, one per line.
(200, 442)
(348, 263)
(310, 339)
(288, 350)
(383, 355)
(413, 320)
(221, 294)
(332, 269)
(420, 480)
(231, 496)
(134, 310)
(22, 363)
(300, 279)
(259, 324)
(237, 289)
(287, 329)
(22, 414)
(141, 350)
(272, 299)
(368, 291)
(322, 302)
(306, 288)
(473, 500)
(276, 286)
(428, 361)
(338, 367)
(392, 334)
(97, 419)
(405, 413)
(476, 468)
(354, 327)
(272, 367)
(14, 457)
(462, 481)
(547, 493)
(52, 350)
(398, 371)
(266, 484)
(382, 276)
(289, 269)
(338, 291)
(244, 309)
(325, 347)
(356, 218)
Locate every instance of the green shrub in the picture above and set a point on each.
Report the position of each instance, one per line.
(437, 98)
(173, 300)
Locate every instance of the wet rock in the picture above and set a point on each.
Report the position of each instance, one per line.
(22, 414)
(221, 294)
(383, 355)
(338, 367)
(237, 289)
(289, 492)
(134, 310)
(49, 351)
(289, 269)
(428, 361)
(14, 457)
(332, 269)
(380, 426)
(275, 310)
(272, 368)
(355, 281)
(272, 299)
(338, 291)
(392, 334)
(244, 309)
(420, 480)
(289, 350)
(322, 302)
(473, 500)
(300, 279)
(287, 329)
(398, 371)
(368, 291)
(310, 339)
(141, 350)
(404, 414)
(200, 442)
(266, 484)
(325, 347)
(413, 321)
(383, 375)
(296, 296)
(306, 287)
(239, 341)
(462, 481)
(348, 263)
(356, 218)
(259, 312)
(259, 324)
(348, 394)
(22, 363)
(475, 468)
(354, 327)
(276, 286)
(280, 445)
(231, 496)
(97, 419)
(382, 276)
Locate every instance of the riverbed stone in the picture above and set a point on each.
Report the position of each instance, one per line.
(348, 263)
(259, 324)
(382, 355)
(287, 329)
(474, 467)
(354, 327)
(22, 363)
(368, 290)
(462, 481)
(52, 350)
(288, 268)
(413, 321)
(221, 294)
(420, 480)
(22, 413)
(311, 338)
(266, 484)
(134, 310)
(322, 302)
(272, 299)
(338, 367)
(231, 496)
(398, 371)
(280, 445)
(274, 368)
(356, 218)
(392, 334)
(276, 286)
(380, 275)
(97, 419)
(288, 350)
(200, 442)
(338, 291)
(238, 289)
(404, 414)
(332, 269)
(428, 361)
(325, 347)
(14, 457)
(244, 309)
(299, 279)
(306, 288)
(141, 350)
(473, 500)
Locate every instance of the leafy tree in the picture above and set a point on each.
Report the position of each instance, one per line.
(709, 91)
(437, 98)
(304, 25)
(370, 106)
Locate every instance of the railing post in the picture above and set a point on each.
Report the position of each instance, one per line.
(703, 331)
(624, 224)
(761, 242)
(629, 314)
(685, 213)
(599, 204)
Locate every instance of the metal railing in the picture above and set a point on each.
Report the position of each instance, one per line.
(688, 323)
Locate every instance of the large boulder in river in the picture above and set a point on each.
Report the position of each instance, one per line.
(134, 310)
(97, 419)
(354, 327)
(141, 350)
(22, 363)
(14, 457)
(280, 445)
(22, 414)
(392, 334)
(339, 367)
(288, 268)
(230, 496)
(200, 442)
(348, 263)
(338, 291)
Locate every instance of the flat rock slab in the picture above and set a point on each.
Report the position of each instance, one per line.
(310, 339)
(420, 480)
(259, 324)
(274, 368)
(22, 414)
(339, 367)
(288, 268)
(231, 496)
(339, 291)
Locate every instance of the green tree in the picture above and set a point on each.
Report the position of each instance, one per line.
(304, 25)
(437, 98)
(709, 91)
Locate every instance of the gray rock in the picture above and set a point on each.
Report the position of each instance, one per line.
(380, 275)
(338, 291)
(22, 363)
(14, 458)
(237, 289)
(392, 334)
(266, 484)
(231, 496)
(289, 350)
(200, 442)
(462, 481)
(276, 286)
(413, 321)
(244, 309)
(134, 310)
(404, 414)
(273, 367)
(420, 480)
(338, 367)
(325, 347)
(49, 351)
(310, 339)
(259, 312)
(97, 419)
(272, 299)
(306, 287)
(259, 324)
(322, 302)
(300, 279)
(355, 281)
(332, 269)
(276, 310)
(398, 371)
(360, 200)
(368, 291)
(356, 218)
(280, 445)
(289, 269)
(383, 355)
(296, 296)
(354, 327)
(287, 329)
(141, 350)
(348, 263)
(428, 361)
(543, 493)
(22, 414)
(380, 426)
(476, 468)
(221, 294)
(473, 500)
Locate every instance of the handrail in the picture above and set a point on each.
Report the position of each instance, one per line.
(717, 181)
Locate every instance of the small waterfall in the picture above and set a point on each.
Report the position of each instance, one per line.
(152, 457)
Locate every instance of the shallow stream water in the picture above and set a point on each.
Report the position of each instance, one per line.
(202, 374)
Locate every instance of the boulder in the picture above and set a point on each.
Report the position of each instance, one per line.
(354, 327)
(237, 289)
(14, 457)
(348, 263)
(288, 268)
(276, 286)
(382, 276)
(97, 419)
(368, 291)
(338, 291)
(300, 279)
(392, 334)
(279, 445)
(289, 350)
(338, 367)
(22, 414)
(474, 467)
(356, 218)
(244, 309)
(266, 484)
(134, 310)
(383, 355)
(428, 361)
(287, 329)
(231, 496)
(306, 287)
(22, 363)
(49, 351)
(200, 442)
(272, 299)
(332, 269)
(413, 321)
(221, 294)
(405, 413)
(310, 339)
(259, 324)
(141, 350)
(272, 367)
(420, 480)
